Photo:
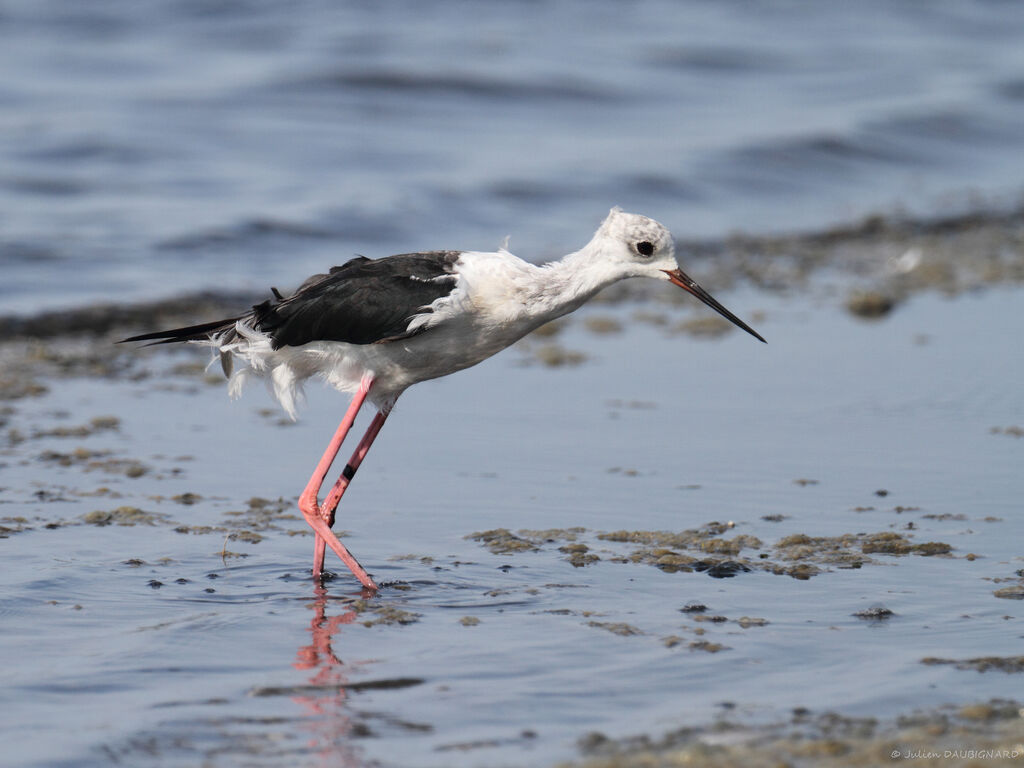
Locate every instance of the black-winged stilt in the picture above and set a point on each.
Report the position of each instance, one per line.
(373, 328)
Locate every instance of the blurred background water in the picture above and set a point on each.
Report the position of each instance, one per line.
(153, 148)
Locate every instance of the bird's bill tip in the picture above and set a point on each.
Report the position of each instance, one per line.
(684, 281)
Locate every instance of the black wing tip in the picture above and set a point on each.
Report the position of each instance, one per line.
(190, 333)
(147, 337)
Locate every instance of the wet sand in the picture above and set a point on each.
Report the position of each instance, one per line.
(635, 539)
(987, 733)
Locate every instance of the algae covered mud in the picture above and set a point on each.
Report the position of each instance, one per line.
(635, 539)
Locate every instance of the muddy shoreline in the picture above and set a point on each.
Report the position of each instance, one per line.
(878, 262)
(869, 268)
(984, 733)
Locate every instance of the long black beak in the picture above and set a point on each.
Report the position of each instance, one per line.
(680, 278)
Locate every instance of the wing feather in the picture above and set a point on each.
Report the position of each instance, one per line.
(363, 301)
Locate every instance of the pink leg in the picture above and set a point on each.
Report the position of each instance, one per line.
(331, 502)
(310, 506)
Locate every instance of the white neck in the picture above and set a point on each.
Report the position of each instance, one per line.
(565, 285)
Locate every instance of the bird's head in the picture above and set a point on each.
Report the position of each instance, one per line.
(637, 245)
(641, 247)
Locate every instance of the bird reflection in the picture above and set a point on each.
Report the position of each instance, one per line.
(325, 697)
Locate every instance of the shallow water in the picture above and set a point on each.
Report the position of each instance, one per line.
(150, 149)
(245, 663)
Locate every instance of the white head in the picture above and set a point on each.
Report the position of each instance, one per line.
(635, 245)
(632, 245)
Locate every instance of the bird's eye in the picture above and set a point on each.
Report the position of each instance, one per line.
(645, 248)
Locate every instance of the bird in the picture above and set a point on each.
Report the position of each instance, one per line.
(374, 327)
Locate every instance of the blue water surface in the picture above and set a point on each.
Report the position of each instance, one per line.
(151, 148)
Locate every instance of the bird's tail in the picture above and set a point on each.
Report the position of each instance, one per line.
(217, 334)
(199, 332)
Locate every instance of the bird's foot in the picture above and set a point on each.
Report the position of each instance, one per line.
(325, 537)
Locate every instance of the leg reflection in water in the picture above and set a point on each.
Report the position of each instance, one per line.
(325, 698)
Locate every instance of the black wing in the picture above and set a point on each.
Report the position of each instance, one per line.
(191, 333)
(364, 301)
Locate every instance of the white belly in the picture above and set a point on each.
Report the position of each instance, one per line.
(394, 365)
